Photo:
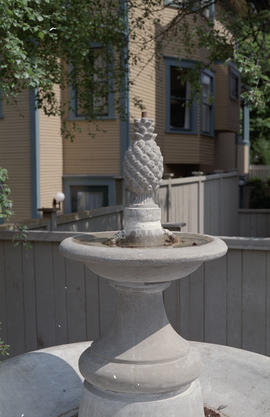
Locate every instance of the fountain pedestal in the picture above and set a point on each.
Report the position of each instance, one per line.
(140, 360)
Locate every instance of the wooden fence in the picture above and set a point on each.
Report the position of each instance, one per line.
(207, 204)
(101, 219)
(254, 222)
(47, 300)
(260, 171)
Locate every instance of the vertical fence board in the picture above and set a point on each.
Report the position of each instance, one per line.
(61, 330)
(29, 295)
(196, 315)
(45, 294)
(14, 293)
(215, 301)
(267, 301)
(92, 305)
(107, 304)
(3, 298)
(76, 308)
(234, 298)
(254, 271)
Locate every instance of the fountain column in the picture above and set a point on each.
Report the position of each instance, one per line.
(141, 367)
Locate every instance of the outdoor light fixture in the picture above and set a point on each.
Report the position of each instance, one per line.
(58, 199)
(50, 212)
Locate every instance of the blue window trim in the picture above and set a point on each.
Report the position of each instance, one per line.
(184, 63)
(72, 94)
(77, 180)
(234, 71)
(212, 11)
(35, 153)
(212, 109)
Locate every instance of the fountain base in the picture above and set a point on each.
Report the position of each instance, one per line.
(187, 403)
(47, 383)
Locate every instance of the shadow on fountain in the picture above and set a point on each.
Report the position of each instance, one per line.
(41, 384)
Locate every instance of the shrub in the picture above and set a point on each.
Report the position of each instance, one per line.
(3, 347)
(258, 197)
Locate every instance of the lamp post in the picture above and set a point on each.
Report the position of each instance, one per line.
(50, 212)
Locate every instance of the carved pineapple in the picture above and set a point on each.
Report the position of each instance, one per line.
(143, 164)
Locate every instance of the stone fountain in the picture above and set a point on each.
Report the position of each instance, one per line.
(142, 367)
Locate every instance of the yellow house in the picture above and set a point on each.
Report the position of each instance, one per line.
(202, 133)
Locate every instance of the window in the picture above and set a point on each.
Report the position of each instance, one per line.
(208, 12)
(234, 83)
(85, 197)
(180, 105)
(85, 192)
(100, 99)
(207, 107)
(243, 137)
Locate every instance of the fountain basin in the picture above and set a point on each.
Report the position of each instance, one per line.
(143, 264)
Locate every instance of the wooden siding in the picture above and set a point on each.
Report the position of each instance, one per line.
(93, 155)
(226, 151)
(15, 154)
(47, 300)
(51, 156)
(142, 75)
(227, 110)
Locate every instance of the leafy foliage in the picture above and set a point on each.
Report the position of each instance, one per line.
(3, 347)
(45, 43)
(5, 203)
(41, 39)
(260, 193)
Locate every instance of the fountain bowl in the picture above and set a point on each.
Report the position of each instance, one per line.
(143, 264)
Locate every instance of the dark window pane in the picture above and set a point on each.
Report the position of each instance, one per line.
(206, 103)
(97, 87)
(180, 99)
(206, 114)
(84, 197)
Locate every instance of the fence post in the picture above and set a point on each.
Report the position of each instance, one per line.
(200, 207)
(221, 205)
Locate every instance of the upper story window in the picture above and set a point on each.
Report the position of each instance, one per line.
(100, 98)
(180, 103)
(208, 11)
(234, 83)
(207, 106)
